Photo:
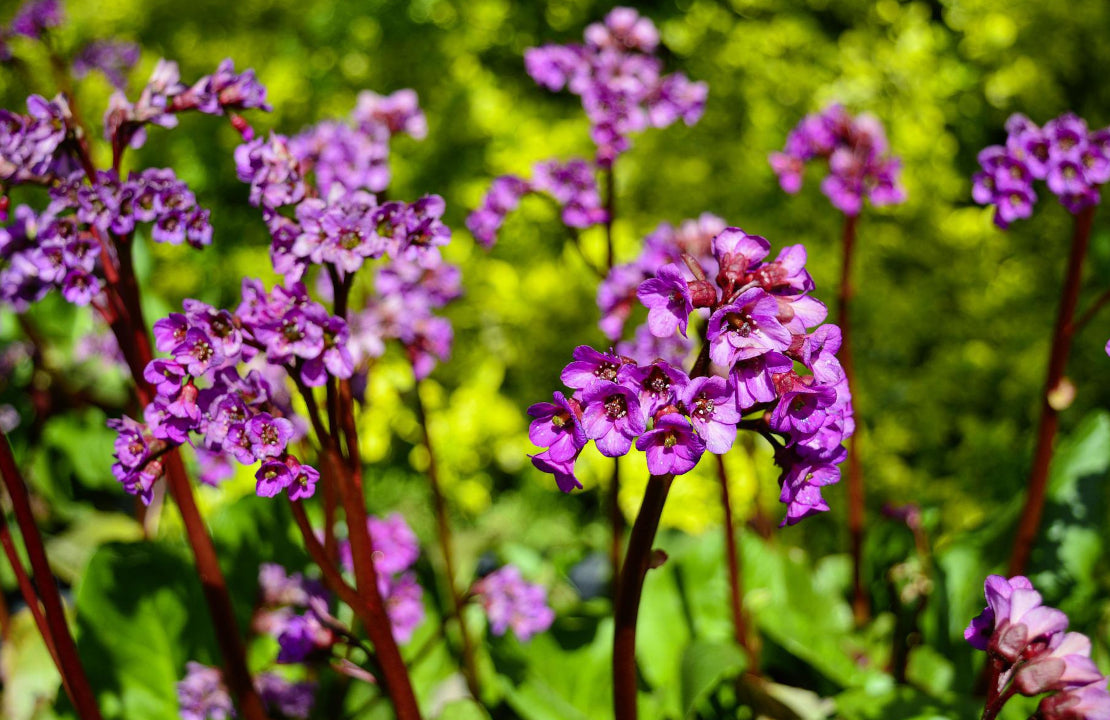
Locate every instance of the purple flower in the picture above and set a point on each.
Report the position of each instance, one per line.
(710, 403)
(1091, 702)
(394, 542)
(202, 694)
(268, 435)
(746, 328)
(671, 446)
(667, 295)
(403, 603)
(611, 417)
(658, 385)
(563, 470)
(590, 366)
(510, 602)
(273, 476)
(1066, 665)
(557, 427)
(291, 700)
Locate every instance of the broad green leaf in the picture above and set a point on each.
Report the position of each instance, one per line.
(704, 666)
(141, 616)
(31, 682)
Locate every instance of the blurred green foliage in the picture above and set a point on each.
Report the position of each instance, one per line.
(952, 316)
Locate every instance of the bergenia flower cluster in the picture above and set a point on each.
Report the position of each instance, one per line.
(511, 602)
(1072, 160)
(571, 185)
(232, 414)
(1030, 653)
(620, 80)
(396, 550)
(202, 695)
(761, 322)
(32, 20)
(856, 150)
(60, 248)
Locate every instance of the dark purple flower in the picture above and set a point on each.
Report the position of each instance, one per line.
(289, 699)
(273, 476)
(657, 384)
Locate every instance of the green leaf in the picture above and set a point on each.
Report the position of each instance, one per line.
(70, 551)
(140, 616)
(30, 679)
(463, 710)
(705, 665)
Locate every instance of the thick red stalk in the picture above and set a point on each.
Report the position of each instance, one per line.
(73, 673)
(861, 604)
(395, 676)
(30, 597)
(637, 562)
(443, 533)
(1062, 335)
(736, 586)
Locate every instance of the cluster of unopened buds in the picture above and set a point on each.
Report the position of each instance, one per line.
(760, 315)
(620, 80)
(856, 151)
(1030, 653)
(1072, 160)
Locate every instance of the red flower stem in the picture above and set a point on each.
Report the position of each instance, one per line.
(135, 344)
(443, 534)
(65, 649)
(395, 677)
(740, 626)
(637, 562)
(30, 597)
(1062, 335)
(861, 604)
(332, 577)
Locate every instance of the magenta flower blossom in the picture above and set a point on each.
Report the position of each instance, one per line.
(746, 328)
(671, 446)
(392, 537)
(611, 417)
(563, 470)
(1072, 161)
(557, 427)
(855, 148)
(590, 366)
(510, 602)
(657, 384)
(711, 404)
(667, 297)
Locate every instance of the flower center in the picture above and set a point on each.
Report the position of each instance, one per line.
(616, 407)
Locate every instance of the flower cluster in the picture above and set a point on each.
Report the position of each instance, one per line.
(396, 550)
(29, 143)
(165, 96)
(294, 611)
(32, 20)
(620, 81)
(62, 249)
(760, 321)
(113, 58)
(235, 415)
(406, 294)
(202, 694)
(1072, 161)
(511, 602)
(855, 148)
(571, 185)
(1032, 654)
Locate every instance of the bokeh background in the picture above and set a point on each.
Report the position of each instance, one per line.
(952, 316)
